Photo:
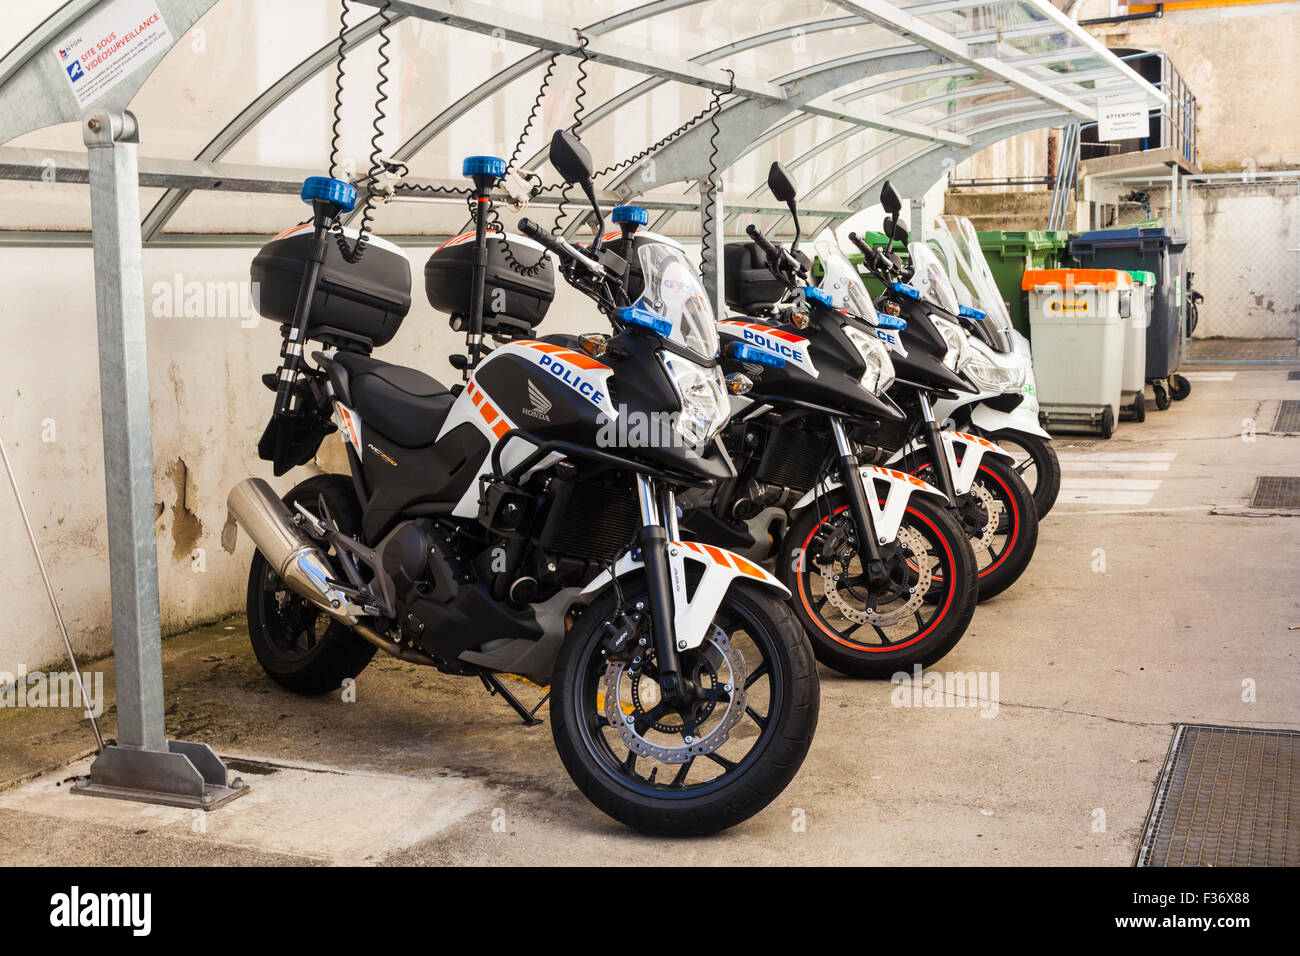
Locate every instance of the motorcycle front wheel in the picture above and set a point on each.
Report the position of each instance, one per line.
(695, 768)
(1001, 519)
(867, 627)
(1036, 464)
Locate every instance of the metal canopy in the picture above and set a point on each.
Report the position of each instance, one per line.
(840, 91)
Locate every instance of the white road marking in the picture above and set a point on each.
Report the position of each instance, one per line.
(1114, 484)
(1083, 482)
(1208, 376)
(1204, 509)
(1083, 458)
(1105, 497)
(1123, 466)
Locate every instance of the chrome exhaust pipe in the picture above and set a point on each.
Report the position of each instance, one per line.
(292, 555)
(301, 564)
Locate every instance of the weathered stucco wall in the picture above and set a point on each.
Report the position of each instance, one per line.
(1242, 241)
(208, 406)
(1240, 63)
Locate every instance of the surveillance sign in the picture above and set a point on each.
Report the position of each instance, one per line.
(1121, 116)
(106, 49)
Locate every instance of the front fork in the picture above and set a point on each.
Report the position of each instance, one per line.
(851, 481)
(938, 455)
(658, 526)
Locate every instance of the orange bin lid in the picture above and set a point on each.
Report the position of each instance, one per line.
(1070, 278)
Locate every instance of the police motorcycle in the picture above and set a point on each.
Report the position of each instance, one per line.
(1005, 409)
(486, 529)
(882, 576)
(978, 478)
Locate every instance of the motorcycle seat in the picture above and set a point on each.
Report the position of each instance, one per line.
(401, 403)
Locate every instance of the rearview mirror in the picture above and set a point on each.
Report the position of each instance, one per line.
(570, 158)
(895, 230)
(782, 186)
(889, 199)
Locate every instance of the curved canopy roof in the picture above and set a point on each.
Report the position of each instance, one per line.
(845, 93)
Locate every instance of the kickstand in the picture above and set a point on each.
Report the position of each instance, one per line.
(495, 687)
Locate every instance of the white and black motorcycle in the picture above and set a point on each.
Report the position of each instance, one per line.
(488, 528)
(1005, 410)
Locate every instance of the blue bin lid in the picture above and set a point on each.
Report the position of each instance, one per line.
(1140, 238)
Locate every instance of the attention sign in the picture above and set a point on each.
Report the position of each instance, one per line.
(1122, 116)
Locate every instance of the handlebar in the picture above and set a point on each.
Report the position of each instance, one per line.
(873, 257)
(558, 245)
(886, 265)
(778, 259)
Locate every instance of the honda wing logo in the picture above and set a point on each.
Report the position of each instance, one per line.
(541, 404)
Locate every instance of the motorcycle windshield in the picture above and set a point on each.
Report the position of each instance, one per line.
(674, 292)
(974, 270)
(842, 281)
(930, 278)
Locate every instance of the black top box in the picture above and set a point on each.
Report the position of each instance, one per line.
(513, 302)
(357, 306)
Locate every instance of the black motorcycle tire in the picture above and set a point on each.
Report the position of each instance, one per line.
(728, 799)
(300, 647)
(955, 606)
(1047, 467)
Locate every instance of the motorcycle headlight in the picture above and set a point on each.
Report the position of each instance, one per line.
(703, 394)
(958, 348)
(994, 376)
(880, 368)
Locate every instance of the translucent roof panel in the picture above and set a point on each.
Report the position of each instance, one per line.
(251, 85)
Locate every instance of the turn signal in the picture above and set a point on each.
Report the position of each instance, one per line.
(893, 309)
(594, 343)
(738, 383)
(799, 320)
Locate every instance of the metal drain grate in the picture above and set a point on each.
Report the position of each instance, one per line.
(1276, 491)
(1288, 417)
(1293, 376)
(1228, 796)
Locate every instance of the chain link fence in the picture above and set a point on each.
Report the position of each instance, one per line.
(1243, 256)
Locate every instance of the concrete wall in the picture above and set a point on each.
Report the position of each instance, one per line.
(1242, 241)
(1015, 157)
(1241, 64)
(208, 406)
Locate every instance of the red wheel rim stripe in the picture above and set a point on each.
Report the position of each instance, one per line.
(866, 647)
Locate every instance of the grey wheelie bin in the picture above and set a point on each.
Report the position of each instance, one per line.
(1160, 252)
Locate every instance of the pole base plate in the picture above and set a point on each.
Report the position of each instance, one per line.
(184, 775)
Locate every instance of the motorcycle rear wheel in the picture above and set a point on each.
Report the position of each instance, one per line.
(299, 646)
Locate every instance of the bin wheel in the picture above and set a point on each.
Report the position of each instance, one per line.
(1140, 408)
(1179, 387)
(1107, 422)
(1162, 396)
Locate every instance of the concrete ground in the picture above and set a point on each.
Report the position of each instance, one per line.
(1157, 596)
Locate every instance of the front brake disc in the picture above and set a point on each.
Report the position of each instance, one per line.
(911, 541)
(992, 516)
(624, 706)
